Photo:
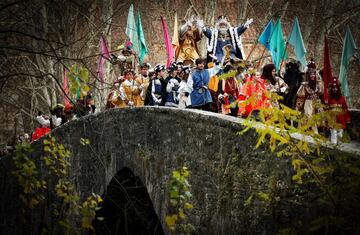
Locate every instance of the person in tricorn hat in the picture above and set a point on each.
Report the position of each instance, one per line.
(126, 59)
(156, 92)
(172, 86)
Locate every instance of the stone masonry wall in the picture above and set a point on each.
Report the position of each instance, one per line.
(225, 169)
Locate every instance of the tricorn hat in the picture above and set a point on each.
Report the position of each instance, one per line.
(159, 67)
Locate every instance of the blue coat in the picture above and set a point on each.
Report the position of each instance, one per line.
(199, 81)
(235, 52)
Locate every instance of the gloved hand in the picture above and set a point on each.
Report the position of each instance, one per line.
(121, 58)
(157, 101)
(248, 22)
(188, 23)
(283, 89)
(200, 24)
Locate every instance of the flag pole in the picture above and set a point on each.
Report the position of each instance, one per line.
(262, 55)
(138, 36)
(252, 49)
(282, 58)
(267, 43)
(257, 41)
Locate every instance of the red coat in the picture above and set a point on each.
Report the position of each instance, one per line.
(256, 90)
(40, 131)
(230, 88)
(343, 117)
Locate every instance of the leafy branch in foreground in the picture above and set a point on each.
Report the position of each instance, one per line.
(180, 206)
(28, 176)
(66, 205)
(335, 177)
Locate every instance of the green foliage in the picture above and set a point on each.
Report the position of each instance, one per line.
(84, 141)
(78, 80)
(179, 200)
(335, 179)
(67, 204)
(57, 160)
(89, 208)
(28, 176)
(230, 74)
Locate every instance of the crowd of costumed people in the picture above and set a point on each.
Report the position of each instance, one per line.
(222, 82)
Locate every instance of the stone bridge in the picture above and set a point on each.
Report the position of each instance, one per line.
(225, 169)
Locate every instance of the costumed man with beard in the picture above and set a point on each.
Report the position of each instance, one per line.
(337, 102)
(224, 34)
(142, 81)
(190, 34)
(308, 96)
(198, 82)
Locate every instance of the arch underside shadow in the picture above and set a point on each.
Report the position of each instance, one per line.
(127, 207)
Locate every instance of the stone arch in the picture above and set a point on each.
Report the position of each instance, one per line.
(127, 207)
(225, 169)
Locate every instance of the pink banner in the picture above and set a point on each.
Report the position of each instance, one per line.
(169, 48)
(104, 51)
(66, 89)
(104, 55)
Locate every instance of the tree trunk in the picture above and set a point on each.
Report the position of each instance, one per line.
(241, 17)
(284, 9)
(310, 22)
(319, 42)
(107, 12)
(209, 21)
